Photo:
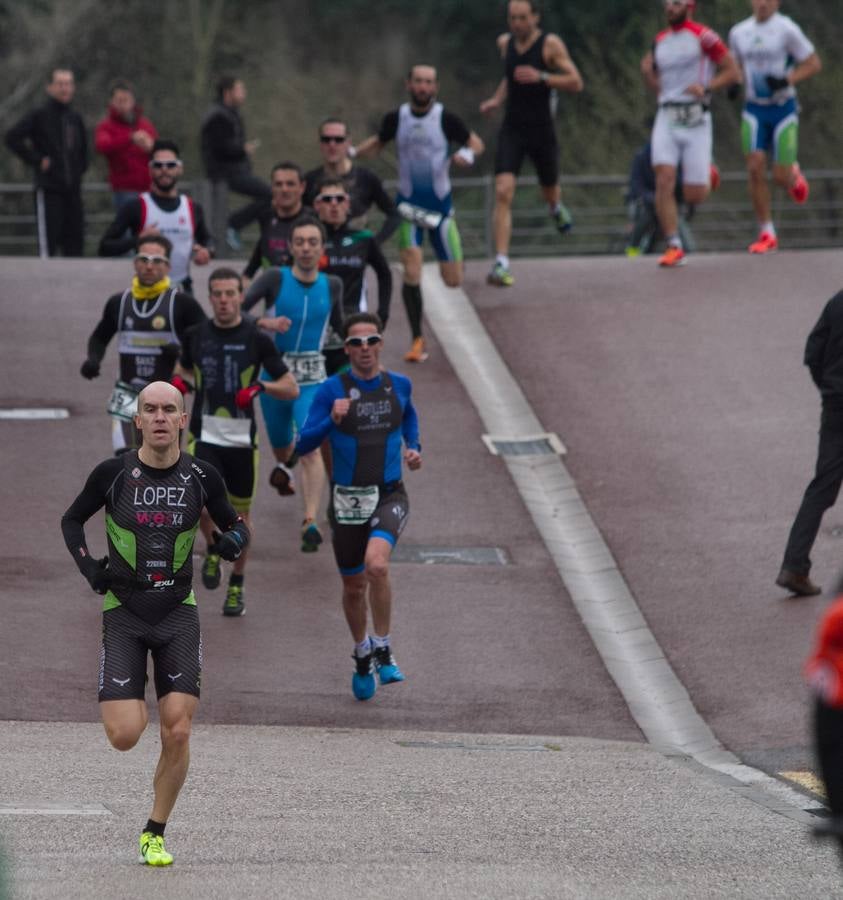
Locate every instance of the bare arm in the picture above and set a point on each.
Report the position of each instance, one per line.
(648, 70)
(283, 388)
(806, 69)
(564, 75)
(496, 100)
(728, 72)
(372, 146)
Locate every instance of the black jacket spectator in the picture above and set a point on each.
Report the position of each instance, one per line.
(223, 141)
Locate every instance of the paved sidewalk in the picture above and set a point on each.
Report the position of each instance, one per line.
(271, 812)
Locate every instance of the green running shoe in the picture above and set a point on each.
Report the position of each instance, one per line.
(152, 851)
(563, 220)
(311, 536)
(211, 571)
(234, 605)
(500, 276)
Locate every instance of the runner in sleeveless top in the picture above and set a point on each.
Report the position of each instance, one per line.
(163, 210)
(775, 56)
(681, 69)
(150, 319)
(303, 301)
(424, 131)
(366, 414)
(224, 355)
(152, 498)
(537, 65)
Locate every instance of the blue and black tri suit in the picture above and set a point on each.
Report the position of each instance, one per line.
(366, 449)
(313, 307)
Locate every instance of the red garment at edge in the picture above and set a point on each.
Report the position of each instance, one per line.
(824, 669)
(128, 164)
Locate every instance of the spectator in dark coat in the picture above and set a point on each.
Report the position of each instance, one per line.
(52, 140)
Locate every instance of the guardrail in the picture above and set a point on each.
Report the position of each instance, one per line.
(724, 222)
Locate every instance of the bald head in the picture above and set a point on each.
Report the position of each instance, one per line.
(158, 392)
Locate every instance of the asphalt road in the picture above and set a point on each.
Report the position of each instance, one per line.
(691, 427)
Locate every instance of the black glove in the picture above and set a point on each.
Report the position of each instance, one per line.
(776, 84)
(90, 369)
(229, 545)
(733, 91)
(98, 575)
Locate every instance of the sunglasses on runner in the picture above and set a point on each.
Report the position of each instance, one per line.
(153, 260)
(369, 341)
(332, 198)
(333, 138)
(165, 163)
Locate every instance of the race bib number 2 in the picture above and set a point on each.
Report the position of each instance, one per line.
(355, 505)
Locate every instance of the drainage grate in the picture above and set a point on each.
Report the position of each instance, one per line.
(546, 444)
(455, 556)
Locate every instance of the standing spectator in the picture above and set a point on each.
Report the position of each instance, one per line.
(227, 155)
(52, 140)
(824, 359)
(125, 138)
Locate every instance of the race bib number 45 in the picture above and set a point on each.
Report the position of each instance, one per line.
(124, 402)
(355, 505)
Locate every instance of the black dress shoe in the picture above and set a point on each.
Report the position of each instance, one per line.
(801, 585)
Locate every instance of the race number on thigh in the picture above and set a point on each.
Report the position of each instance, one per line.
(123, 403)
(419, 215)
(355, 505)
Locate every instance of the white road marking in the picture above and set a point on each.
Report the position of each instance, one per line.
(34, 413)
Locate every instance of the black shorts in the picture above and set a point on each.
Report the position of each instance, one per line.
(538, 144)
(175, 644)
(387, 522)
(238, 467)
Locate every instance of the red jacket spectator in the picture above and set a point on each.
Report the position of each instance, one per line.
(125, 138)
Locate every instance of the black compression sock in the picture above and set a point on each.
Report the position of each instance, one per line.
(236, 580)
(156, 827)
(412, 296)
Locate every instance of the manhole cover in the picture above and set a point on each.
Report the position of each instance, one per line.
(456, 556)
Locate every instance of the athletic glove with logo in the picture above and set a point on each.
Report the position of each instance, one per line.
(243, 398)
(776, 84)
(90, 369)
(228, 545)
(98, 574)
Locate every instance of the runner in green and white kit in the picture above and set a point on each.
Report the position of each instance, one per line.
(153, 498)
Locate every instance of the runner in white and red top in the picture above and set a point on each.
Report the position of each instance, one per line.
(687, 62)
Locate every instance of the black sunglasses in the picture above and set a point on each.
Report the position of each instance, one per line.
(333, 138)
(165, 163)
(369, 341)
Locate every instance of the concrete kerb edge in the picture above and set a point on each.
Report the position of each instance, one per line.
(656, 698)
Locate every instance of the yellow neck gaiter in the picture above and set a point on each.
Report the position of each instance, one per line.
(142, 292)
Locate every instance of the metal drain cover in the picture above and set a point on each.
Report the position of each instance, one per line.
(546, 444)
(455, 556)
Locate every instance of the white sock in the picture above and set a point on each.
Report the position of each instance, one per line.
(502, 260)
(768, 227)
(364, 648)
(674, 241)
(379, 642)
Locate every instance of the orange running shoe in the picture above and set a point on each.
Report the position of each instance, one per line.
(416, 353)
(713, 177)
(766, 243)
(800, 188)
(672, 258)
